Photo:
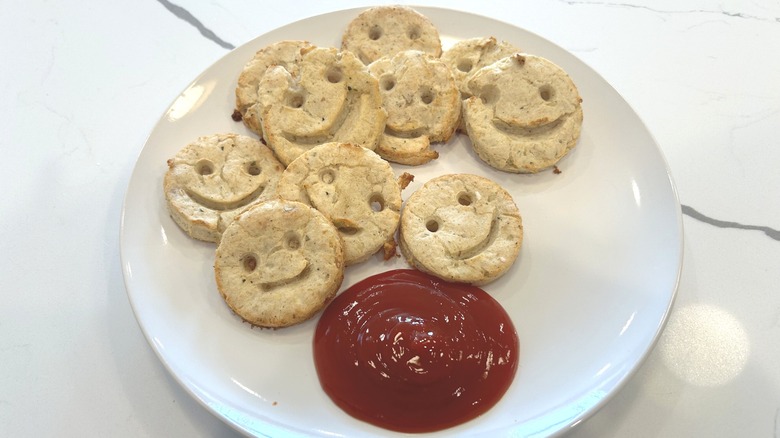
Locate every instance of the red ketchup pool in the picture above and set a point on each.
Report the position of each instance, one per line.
(409, 352)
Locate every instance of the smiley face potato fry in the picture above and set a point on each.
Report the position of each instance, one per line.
(334, 99)
(386, 30)
(462, 228)
(354, 188)
(525, 114)
(279, 263)
(422, 103)
(212, 179)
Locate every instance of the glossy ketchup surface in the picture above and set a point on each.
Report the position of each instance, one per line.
(409, 352)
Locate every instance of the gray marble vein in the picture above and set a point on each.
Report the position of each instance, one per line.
(690, 211)
(185, 15)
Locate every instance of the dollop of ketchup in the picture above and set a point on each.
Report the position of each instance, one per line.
(409, 352)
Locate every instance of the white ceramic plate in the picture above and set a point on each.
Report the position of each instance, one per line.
(589, 294)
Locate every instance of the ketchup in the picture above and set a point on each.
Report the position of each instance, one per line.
(409, 352)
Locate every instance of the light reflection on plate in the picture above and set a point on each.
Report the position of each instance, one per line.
(589, 294)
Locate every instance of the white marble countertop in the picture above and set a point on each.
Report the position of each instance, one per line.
(83, 83)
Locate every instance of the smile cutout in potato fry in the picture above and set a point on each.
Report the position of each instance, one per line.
(279, 263)
(212, 179)
(334, 99)
(422, 102)
(462, 228)
(525, 114)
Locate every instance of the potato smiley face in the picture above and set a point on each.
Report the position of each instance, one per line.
(462, 228)
(525, 114)
(212, 179)
(354, 188)
(386, 30)
(279, 263)
(422, 103)
(334, 99)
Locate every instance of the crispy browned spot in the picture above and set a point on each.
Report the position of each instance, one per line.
(405, 179)
(389, 248)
